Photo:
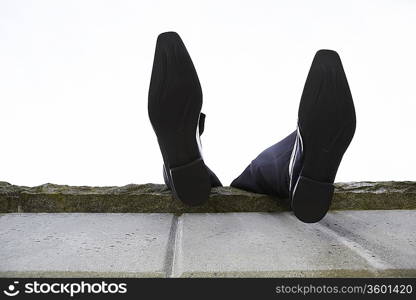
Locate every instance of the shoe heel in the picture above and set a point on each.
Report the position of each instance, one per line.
(191, 183)
(311, 199)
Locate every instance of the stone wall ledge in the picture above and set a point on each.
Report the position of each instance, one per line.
(156, 198)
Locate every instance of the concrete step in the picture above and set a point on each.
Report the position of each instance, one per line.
(376, 243)
(155, 198)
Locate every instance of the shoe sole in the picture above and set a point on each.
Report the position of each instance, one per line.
(175, 101)
(326, 126)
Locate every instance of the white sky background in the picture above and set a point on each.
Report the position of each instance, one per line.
(74, 78)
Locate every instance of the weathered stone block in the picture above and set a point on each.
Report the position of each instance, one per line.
(156, 198)
(83, 245)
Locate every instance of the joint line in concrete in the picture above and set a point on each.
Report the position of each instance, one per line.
(171, 249)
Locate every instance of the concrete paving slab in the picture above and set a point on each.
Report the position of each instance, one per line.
(345, 243)
(260, 245)
(277, 244)
(82, 245)
(388, 235)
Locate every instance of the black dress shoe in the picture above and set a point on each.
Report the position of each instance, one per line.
(302, 167)
(175, 101)
(326, 126)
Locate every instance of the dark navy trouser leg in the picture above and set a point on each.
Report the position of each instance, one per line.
(268, 173)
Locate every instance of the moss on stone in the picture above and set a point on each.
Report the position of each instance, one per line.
(152, 198)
